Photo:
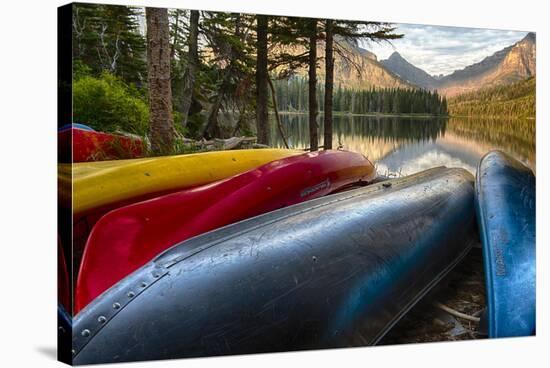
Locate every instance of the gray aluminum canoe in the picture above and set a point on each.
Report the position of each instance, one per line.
(332, 272)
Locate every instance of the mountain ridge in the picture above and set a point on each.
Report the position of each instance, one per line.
(360, 69)
(511, 64)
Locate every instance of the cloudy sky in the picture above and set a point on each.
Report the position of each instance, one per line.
(441, 50)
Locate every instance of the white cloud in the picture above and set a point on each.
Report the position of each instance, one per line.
(442, 50)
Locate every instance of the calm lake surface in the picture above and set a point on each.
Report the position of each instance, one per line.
(404, 145)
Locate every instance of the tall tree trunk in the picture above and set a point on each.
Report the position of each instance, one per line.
(276, 111)
(261, 80)
(313, 133)
(161, 123)
(192, 66)
(329, 85)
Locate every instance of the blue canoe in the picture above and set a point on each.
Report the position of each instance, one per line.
(333, 272)
(75, 125)
(505, 205)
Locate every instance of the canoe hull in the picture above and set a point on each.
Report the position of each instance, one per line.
(332, 272)
(505, 205)
(138, 232)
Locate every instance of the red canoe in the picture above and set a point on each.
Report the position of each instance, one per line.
(125, 239)
(88, 145)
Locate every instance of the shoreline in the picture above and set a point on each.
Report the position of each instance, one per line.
(373, 114)
(411, 115)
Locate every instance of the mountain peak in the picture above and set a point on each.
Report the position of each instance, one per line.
(396, 56)
(400, 66)
(530, 37)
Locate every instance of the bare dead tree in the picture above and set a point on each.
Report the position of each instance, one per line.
(192, 66)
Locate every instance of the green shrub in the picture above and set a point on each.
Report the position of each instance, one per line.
(80, 69)
(108, 104)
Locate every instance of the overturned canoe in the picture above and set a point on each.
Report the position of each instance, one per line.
(98, 184)
(77, 144)
(505, 204)
(331, 272)
(127, 238)
(75, 125)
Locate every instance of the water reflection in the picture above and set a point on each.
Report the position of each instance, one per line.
(407, 145)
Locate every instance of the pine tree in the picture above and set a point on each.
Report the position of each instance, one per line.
(262, 76)
(233, 66)
(329, 84)
(192, 68)
(312, 81)
(107, 38)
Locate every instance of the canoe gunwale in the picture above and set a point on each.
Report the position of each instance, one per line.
(306, 207)
(487, 263)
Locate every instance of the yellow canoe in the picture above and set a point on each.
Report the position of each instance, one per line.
(97, 184)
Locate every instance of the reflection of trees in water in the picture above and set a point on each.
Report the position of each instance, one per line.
(352, 128)
(378, 137)
(516, 136)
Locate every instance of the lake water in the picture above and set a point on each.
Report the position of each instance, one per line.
(404, 145)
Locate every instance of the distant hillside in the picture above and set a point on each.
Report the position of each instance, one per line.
(371, 72)
(405, 70)
(514, 100)
(509, 65)
(359, 69)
